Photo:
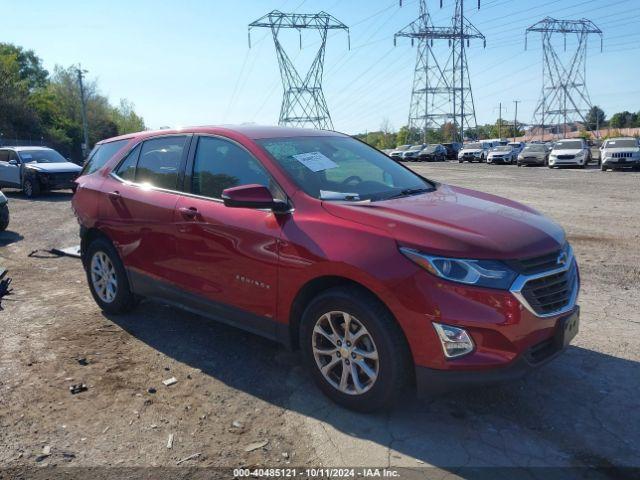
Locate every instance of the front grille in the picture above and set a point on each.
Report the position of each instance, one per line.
(62, 178)
(551, 293)
(539, 264)
(622, 155)
(566, 157)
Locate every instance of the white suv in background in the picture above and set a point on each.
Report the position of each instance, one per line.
(570, 152)
(620, 153)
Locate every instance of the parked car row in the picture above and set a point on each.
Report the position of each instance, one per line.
(615, 153)
(434, 152)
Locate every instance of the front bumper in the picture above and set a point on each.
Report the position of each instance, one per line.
(430, 381)
(497, 160)
(531, 161)
(621, 162)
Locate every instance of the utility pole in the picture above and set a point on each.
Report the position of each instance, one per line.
(83, 110)
(515, 120)
(500, 121)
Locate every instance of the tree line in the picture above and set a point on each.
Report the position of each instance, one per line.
(40, 107)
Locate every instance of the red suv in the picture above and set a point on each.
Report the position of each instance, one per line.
(381, 277)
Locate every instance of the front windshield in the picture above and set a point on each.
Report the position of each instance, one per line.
(568, 145)
(473, 146)
(623, 143)
(341, 168)
(430, 149)
(41, 156)
(535, 148)
(502, 149)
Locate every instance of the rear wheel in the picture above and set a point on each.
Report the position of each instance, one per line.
(107, 278)
(354, 349)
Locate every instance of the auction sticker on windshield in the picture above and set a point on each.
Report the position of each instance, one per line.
(315, 161)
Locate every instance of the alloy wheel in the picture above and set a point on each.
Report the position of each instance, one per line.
(28, 188)
(345, 353)
(103, 277)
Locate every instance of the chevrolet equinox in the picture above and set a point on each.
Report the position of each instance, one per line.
(382, 278)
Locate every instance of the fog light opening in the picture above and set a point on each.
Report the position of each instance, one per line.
(455, 341)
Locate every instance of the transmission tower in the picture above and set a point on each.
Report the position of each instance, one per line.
(303, 101)
(441, 90)
(564, 97)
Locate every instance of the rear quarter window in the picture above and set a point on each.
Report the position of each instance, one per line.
(101, 154)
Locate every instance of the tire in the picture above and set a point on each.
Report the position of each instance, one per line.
(121, 300)
(31, 187)
(603, 168)
(460, 161)
(4, 217)
(383, 336)
(519, 164)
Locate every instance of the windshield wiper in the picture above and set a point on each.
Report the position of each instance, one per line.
(410, 191)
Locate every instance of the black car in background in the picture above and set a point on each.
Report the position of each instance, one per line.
(452, 150)
(433, 153)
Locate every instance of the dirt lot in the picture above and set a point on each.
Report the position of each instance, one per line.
(581, 410)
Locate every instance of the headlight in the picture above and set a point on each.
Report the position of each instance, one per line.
(481, 273)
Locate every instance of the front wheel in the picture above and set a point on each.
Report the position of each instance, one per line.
(107, 278)
(31, 187)
(354, 349)
(4, 217)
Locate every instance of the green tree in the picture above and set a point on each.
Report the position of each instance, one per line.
(30, 69)
(126, 119)
(623, 120)
(595, 118)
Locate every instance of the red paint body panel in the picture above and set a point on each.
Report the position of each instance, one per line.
(258, 261)
(229, 255)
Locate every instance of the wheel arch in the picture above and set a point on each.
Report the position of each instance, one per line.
(315, 287)
(88, 235)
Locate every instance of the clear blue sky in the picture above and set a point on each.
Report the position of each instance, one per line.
(188, 62)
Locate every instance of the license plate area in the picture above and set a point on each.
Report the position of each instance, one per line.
(568, 328)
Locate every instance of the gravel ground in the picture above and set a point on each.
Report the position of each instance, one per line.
(579, 411)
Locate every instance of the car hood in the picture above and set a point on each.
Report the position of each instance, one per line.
(457, 222)
(525, 153)
(499, 153)
(62, 167)
(470, 150)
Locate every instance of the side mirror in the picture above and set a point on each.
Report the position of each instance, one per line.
(252, 196)
(13, 162)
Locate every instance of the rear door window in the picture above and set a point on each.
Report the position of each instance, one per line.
(127, 169)
(160, 162)
(4, 155)
(101, 154)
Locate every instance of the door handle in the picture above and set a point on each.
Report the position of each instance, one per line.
(189, 212)
(115, 194)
